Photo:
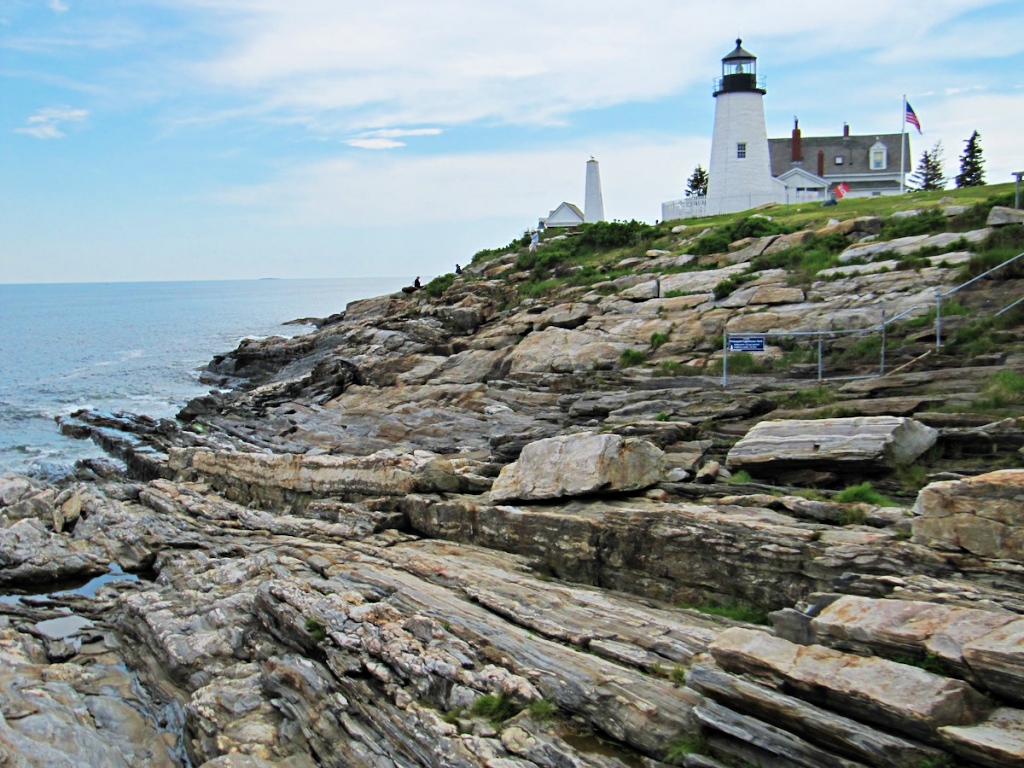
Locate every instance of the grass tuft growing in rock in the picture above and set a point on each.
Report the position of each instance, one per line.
(683, 746)
(741, 477)
(631, 357)
(542, 710)
(316, 630)
(865, 494)
(497, 709)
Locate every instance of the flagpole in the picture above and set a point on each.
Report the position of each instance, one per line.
(903, 141)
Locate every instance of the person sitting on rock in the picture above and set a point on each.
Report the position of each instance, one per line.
(416, 282)
(458, 269)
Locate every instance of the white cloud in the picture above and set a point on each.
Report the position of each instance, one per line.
(638, 174)
(350, 67)
(375, 143)
(56, 6)
(45, 124)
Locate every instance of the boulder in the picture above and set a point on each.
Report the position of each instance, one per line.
(873, 443)
(574, 465)
(983, 515)
(896, 697)
(997, 658)
(783, 242)
(1000, 216)
(560, 350)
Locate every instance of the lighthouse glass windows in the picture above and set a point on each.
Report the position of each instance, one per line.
(741, 150)
(738, 67)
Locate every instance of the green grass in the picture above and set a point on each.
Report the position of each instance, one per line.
(316, 630)
(866, 350)
(658, 339)
(675, 368)
(863, 493)
(497, 709)
(439, 285)
(1003, 391)
(683, 746)
(930, 662)
(741, 477)
(742, 363)
(542, 710)
(631, 357)
(808, 398)
(678, 675)
(734, 609)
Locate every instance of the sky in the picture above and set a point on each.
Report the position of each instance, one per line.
(241, 139)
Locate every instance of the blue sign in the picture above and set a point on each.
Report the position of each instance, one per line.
(746, 343)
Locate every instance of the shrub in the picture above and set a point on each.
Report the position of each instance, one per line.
(439, 285)
(863, 493)
(751, 226)
(487, 254)
(614, 234)
(929, 221)
(741, 363)
(631, 357)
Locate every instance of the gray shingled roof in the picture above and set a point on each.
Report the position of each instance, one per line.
(854, 150)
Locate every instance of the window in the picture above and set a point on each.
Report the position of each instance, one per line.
(878, 156)
(839, 159)
(741, 150)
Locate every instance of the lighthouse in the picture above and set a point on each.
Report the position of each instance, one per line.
(739, 176)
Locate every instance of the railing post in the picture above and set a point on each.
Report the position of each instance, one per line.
(938, 319)
(881, 366)
(819, 359)
(725, 359)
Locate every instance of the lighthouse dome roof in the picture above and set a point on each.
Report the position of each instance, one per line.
(739, 52)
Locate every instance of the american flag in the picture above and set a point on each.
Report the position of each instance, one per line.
(912, 118)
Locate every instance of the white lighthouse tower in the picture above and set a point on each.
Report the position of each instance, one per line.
(739, 176)
(593, 202)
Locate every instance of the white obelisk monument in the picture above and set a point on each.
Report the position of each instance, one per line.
(740, 175)
(593, 202)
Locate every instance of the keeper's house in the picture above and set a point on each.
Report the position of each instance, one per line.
(808, 167)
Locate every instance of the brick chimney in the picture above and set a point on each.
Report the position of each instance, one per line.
(798, 153)
(846, 130)
(821, 162)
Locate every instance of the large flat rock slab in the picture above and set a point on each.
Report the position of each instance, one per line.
(854, 444)
(916, 628)
(905, 699)
(997, 742)
(983, 515)
(575, 465)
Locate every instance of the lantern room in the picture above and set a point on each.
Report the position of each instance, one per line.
(739, 72)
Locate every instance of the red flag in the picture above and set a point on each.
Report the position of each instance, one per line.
(841, 189)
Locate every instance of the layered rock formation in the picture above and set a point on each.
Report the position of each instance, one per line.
(469, 530)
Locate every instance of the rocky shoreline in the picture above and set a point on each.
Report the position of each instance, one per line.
(459, 528)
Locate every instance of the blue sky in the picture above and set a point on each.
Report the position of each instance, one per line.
(209, 139)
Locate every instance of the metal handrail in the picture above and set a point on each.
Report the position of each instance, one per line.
(939, 296)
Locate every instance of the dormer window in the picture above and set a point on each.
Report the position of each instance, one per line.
(741, 150)
(878, 156)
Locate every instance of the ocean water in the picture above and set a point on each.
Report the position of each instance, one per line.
(135, 347)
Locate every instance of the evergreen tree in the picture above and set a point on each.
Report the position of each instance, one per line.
(697, 183)
(928, 175)
(971, 172)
